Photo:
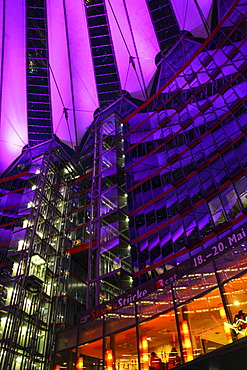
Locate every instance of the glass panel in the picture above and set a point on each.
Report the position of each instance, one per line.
(159, 343)
(91, 330)
(217, 211)
(117, 320)
(232, 262)
(65, 360)
(202, 325)
(241, 186)
(195, 283)
(155, 303)
(66, 338)
(90, 356)
(121, 351)
(230, 202)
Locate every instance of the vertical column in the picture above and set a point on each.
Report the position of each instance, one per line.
(109, 265)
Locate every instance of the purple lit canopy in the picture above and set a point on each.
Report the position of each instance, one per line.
(72, 80)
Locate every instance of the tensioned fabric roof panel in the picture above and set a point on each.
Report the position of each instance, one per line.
(74, 94)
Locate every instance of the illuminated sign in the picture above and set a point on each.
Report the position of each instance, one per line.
(226, 243)
(132, 297)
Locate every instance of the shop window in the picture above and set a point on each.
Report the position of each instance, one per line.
(121, 351)
(89, 356)
(159, 343)
(195, 284)
(66, 356)
(155, 303)
(123, 317)
(235, 295)
(234, 261)
(202, 325)
(91, 330)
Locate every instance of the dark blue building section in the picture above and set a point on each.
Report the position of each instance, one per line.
(186, 160)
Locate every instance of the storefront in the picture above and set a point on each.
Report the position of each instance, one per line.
(191, 310)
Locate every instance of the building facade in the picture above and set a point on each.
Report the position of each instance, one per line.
(129, 205)
(186, 180)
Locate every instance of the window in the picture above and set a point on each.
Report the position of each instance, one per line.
(159, 342)
(202, 325)
(241, 187)
(217, 210)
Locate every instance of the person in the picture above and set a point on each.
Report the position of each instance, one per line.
(174, 359)
(155, 362)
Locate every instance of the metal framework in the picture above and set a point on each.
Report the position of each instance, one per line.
(187, 158)
(38, 85)
(30, 257)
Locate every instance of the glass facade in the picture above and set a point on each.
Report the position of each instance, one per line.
(170, 325)
(138, 234)
(185, 149)
(31, 221)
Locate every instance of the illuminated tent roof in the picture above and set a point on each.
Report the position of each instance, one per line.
(61, 60)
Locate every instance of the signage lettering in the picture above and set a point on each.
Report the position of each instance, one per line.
(162, 282)
(222, 246)
(132, 297)
(234, 238)
(169, 277)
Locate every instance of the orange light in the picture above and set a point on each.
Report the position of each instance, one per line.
(57, 367)
(144, 353)
(186, 342)
(79, 363)
(109, 359)
(224, 319)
